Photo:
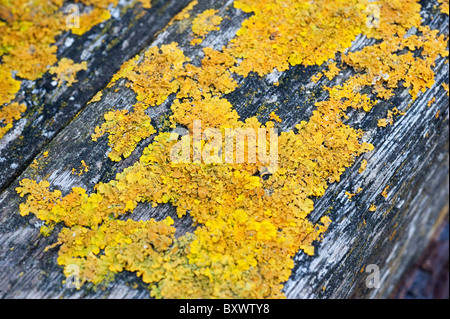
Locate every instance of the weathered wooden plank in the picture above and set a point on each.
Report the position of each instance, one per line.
(428, 278)
(49, 107)
(411, 157)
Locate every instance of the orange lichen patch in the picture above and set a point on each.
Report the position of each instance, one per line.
(25, 48)
(396, 111)
(431, 101)
(39, 196)
(445, 86)
(213, 77)
(115, 246)
(8, 86)
(39, 162)
(209, 258)
(204, 23)
(385, 68)
(349, 195)
(27, 35)
(393, 17)
(88, 20)
(126, 130)
(383, 122)
(211, 111)
(83, 169)
(347, 95)
(99, 3)
(266, 39)
(333, 70)
(8, 114)
(444, 6)
(372, 207)
(275, 117)
(11, 112)
(363, 166)
(196, 41)
(164, 71)
(437, 114)
(384, 192)
(185, 13)
(390, 117)
(317, 77)
(97, 97)
(156, 76)
(84, 166)
(31, 63)
(66, 71)
(146, 4)
(256, 234)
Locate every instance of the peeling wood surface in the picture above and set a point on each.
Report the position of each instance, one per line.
(411, 157)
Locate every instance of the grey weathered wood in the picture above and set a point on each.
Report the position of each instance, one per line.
(413, 164)
(428, 278)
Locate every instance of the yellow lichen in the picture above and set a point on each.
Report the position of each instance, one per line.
(185, 13)
(390, 117)
(25, 47)
(66, 71)
(8, 86)
(385, 72)
(275, 117)
(317, 77)
(349, 195)
(266, 39)
(126, 130)
(249, 227)
(204, 23)
(8, 114)
(83, 169)
(95, 16)
(444, 6)
(382, 123)
(445, 86)
(333, 70)
(97, 97)
(384, 193)
(28, 30)
(363, 166)
(212, 111)
(156, 77)
(116, 246)
(146, 4)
